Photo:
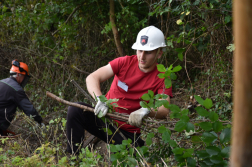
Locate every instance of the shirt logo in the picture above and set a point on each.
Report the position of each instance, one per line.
(144, 39)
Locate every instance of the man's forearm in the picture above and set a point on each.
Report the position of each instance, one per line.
(93, 86)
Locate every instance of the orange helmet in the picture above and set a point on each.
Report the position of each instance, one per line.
(19, 67)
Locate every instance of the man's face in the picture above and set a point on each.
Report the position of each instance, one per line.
(147, 59)
(20, 78)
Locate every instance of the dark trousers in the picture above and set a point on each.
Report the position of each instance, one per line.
(78, 121)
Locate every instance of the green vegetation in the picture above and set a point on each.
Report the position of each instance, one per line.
(64, 40)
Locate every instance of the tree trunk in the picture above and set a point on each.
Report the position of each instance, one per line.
(114, 29)
(241, 153)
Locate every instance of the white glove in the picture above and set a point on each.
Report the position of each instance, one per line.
(42, 125)
(135, 118)
(101, 107)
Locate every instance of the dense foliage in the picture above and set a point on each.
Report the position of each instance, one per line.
(64, 40)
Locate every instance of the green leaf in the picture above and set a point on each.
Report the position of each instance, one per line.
(146, 97)
(161, 75)
(216, 159)
(184, 118)
(166, 137)
(166, 104)
(225, 135)
(173, 143)
(144, 149)
(189, 126)
(120, 147)
(132, 161)
(103, 98)
(208, 137)
(208, 103)
(227, 19)
(108, 131)
(175, 115)
(217, 126)
(114, 157)
(143, 104)
(174, 108)
(170, 67)
(168, 82)
(185, 112)
(199, 100)
(188, 153)
(151, 93)
(161, 129)
(126, 142)
(100, 115)
(173, 76)
(113, 148)
(203, 164)
(151, 103)
(178, 150)
(191, 162)
(213, 116)
(196, 139)
(177, 68)
(213, 150)
(159, 103)
(201, 111)
(202, 154)
(225, 152)
(207, 126)
(180, 125)
(149, 139)
(208, 162)
(180, 56)
(179, 158)
(161, 68)
(167, 73)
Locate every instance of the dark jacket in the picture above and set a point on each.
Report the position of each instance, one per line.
(12, 96)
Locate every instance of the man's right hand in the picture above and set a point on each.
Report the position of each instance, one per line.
(101, 108)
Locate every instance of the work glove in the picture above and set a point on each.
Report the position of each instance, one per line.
(41, 126)
(135, 118)
(101, 108)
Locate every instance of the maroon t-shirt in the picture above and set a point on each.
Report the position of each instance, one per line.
(130, 83)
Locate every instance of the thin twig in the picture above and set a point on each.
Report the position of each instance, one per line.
(82, 91)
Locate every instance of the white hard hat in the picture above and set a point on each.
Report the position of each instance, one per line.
(149, 38)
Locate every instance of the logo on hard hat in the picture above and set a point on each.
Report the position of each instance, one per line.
(144, 40)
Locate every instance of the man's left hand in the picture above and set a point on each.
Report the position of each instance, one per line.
(135, 118)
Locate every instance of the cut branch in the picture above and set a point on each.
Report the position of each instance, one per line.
(85, 108)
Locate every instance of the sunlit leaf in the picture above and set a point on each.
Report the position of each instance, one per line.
(161, 68)
(146, 97)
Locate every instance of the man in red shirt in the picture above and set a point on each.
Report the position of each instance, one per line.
(133, 76)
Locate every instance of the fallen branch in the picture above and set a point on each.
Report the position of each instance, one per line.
(85, 108)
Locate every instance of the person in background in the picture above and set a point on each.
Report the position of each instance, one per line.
(12, 95)
(133, 76)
